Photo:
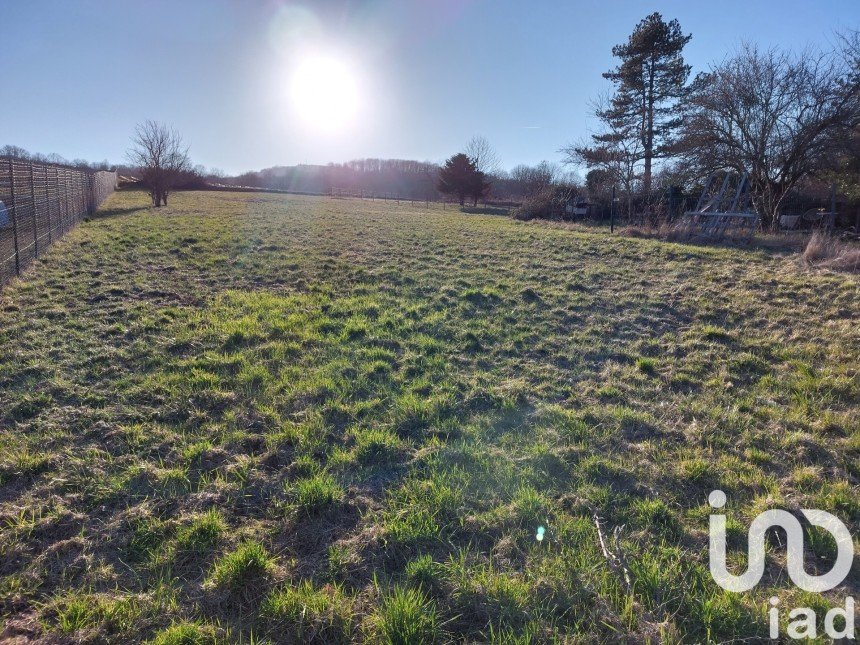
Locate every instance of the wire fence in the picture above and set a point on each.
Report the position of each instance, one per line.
(39, 203)
(802, 210)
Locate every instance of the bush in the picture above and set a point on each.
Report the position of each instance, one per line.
(539, 205)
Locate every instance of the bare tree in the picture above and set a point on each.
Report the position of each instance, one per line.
(531, 180)
(775, 115)
(55, 158)
(15, 152)
(486, 162)
(162, 157)
(483, 155)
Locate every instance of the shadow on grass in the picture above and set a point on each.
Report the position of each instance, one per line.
(116, 212)
(485, 210)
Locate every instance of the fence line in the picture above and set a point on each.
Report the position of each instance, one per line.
(39, 203)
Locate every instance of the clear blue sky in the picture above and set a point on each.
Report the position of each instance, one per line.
(77, 76)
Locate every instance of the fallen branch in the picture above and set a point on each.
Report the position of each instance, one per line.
(651, 627)
(615, 558)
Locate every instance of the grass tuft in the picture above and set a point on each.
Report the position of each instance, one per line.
(646, 365)
(825, 251)
(202, 534)
(317, 493)
(247, 565)
(309, 614)
(407, 616)
(185, 634)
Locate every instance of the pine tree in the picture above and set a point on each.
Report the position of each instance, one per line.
(459, 177)
(649, 84)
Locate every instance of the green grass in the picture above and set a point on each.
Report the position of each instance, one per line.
(250, 418)
(202, 534)
(308, 614)
(407, 617)
(244, 567)
(317, 493)
(185, 634)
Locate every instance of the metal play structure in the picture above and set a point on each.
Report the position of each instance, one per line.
(724, 209)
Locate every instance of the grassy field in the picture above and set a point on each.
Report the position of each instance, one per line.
(270, 418)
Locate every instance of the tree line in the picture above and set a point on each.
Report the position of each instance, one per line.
(781, 117)
(22, 154)
(408, 179)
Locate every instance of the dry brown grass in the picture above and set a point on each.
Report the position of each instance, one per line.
(825, 251)
(670, 232)
(637, 231)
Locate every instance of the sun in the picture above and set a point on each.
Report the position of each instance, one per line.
(324, 93)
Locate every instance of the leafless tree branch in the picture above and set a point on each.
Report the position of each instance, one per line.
(162, 157)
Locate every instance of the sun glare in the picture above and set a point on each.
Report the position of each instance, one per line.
(324, 93)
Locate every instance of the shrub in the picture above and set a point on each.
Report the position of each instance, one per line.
(539, 205)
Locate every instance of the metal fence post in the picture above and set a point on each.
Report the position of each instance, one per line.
(612, 213)
(82, 191)
(61, 210)
(91, 193)
(73, 199)
(79, 198)
(14, 217)
(76, 180)
(48, 205)
(67, 201)
(832, 218)
(59, 203)
(35, 226)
